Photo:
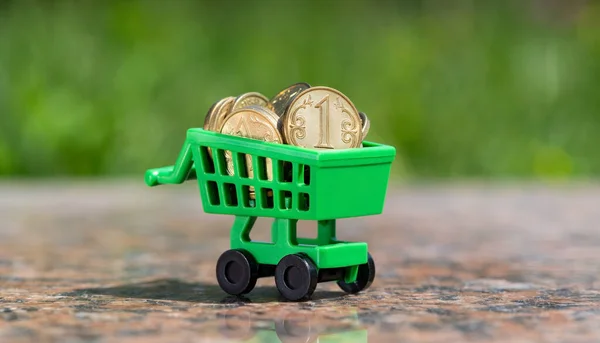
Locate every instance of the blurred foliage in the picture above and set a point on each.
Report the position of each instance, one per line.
(461, 88)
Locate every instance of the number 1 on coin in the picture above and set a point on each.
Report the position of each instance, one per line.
(324, 124)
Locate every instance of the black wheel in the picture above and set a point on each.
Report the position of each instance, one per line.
(237, 272)
(296, 277)
(364, 279)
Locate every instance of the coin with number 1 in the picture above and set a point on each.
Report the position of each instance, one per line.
(322, 118)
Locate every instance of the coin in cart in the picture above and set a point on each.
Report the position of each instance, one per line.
(252, 122)
(280, 102)
(322, 118)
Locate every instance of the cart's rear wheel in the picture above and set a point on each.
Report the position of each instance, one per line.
(237, 272)
(296, 277)
(366, 275)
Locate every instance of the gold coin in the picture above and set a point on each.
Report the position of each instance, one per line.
(248, 99)
(252, 122)
(366, 124)
(209, 120)
(221, 112)
(280, 102)
(209, 115)
(322, 118)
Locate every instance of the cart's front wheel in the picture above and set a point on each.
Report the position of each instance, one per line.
(296, 277)
(237, 272)
(364, 278)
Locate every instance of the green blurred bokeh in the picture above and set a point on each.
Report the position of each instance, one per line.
(486, 89)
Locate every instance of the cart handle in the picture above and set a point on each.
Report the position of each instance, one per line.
(182, 170)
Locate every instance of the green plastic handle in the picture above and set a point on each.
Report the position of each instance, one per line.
(155, 176)
(175, 174)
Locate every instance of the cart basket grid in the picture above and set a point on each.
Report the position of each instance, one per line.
(245, 177)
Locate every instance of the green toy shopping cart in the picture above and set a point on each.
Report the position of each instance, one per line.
(250, 179)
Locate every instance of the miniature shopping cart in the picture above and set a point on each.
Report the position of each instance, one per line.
(288, 184)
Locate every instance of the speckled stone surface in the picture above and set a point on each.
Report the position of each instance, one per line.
(118, 262)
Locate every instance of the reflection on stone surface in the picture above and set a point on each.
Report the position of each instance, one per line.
(291, 327)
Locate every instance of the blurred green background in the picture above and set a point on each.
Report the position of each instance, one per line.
(463, 89)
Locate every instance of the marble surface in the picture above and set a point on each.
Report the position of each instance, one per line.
(119, 262)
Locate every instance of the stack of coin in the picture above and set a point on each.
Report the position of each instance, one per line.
(300, 115)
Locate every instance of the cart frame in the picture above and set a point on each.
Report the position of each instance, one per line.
(288, 184)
